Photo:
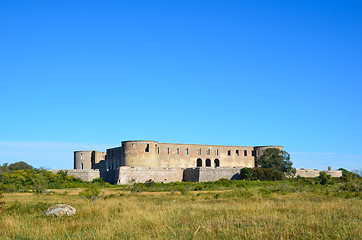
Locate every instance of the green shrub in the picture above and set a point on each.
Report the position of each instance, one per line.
(261, 174)
(91, 192)
(324, 178)
(348, 176)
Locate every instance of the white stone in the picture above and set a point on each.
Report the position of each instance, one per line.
(60, 210)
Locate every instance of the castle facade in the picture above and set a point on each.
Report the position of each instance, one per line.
(165, 162)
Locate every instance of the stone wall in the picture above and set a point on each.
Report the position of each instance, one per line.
(84, 174)
(211, 174)
(315, 173)
(141, 174)
(172, 155)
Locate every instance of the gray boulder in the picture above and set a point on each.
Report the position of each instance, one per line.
(60, 210)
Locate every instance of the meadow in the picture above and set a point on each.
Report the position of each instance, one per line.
(290, 209)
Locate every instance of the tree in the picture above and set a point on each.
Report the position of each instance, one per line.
(348, 176)
(324, 178)
(20, 166)
(276, 159)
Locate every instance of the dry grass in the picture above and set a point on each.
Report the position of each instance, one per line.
(206, 215)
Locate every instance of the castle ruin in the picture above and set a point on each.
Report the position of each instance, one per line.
(142, 160)
(166, 162)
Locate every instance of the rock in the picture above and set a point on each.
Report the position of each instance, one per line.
(60, 210)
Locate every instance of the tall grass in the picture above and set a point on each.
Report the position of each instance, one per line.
(255, 212)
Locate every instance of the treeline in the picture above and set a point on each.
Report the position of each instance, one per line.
(20, 176)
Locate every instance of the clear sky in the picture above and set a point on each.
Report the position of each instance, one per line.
(78, 75)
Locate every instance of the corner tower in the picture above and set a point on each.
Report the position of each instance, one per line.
(140, 153)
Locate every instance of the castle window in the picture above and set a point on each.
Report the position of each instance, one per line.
(217, 151)
(237, 152)
(253, 153)
(217, 163)
(168, 150)
(208, 151)
(158, 150)
(82, 165)
(178, 151)
(208, 163)
(229, 152)
(147, 148)
(245, 153)
(200, 152)
(199, 162)
(187, 151)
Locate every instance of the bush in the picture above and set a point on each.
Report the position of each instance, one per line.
(348, 176)
(261, 174)
(91, 192)
(324, 178)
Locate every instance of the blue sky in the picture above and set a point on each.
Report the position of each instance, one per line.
(78, 75)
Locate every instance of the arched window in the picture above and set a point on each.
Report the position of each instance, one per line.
(199, 162)
(82, 165)
(208, 163)
(217, 163)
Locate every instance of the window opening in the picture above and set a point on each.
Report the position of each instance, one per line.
(168, 150)
(208, 151)
(229, 152)
(82, 165)
(208, 163)
(147, 148)
(178, 151)
(245, 153)
(187, 151)
(199, 162)
(237, 152)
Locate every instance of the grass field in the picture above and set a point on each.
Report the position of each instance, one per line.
(234, 213)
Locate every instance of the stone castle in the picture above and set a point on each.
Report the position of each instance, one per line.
(170, 162)
(165, 162)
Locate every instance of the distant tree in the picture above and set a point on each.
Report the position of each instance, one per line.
(20, 166)
(276, 159)
(324, 178)
(348, 176)
(4, 168)
(359, 173)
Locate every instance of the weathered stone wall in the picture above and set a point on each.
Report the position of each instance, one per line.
(141, 174)
(84, 174)
(211, 174)
(335, 173)
(315, 173)
(168, 155)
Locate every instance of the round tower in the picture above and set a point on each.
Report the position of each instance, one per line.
(140, 153)
(259, 151)
(83, 160)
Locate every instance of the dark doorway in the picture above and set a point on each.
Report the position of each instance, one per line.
(208, 163)
(217, 163)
